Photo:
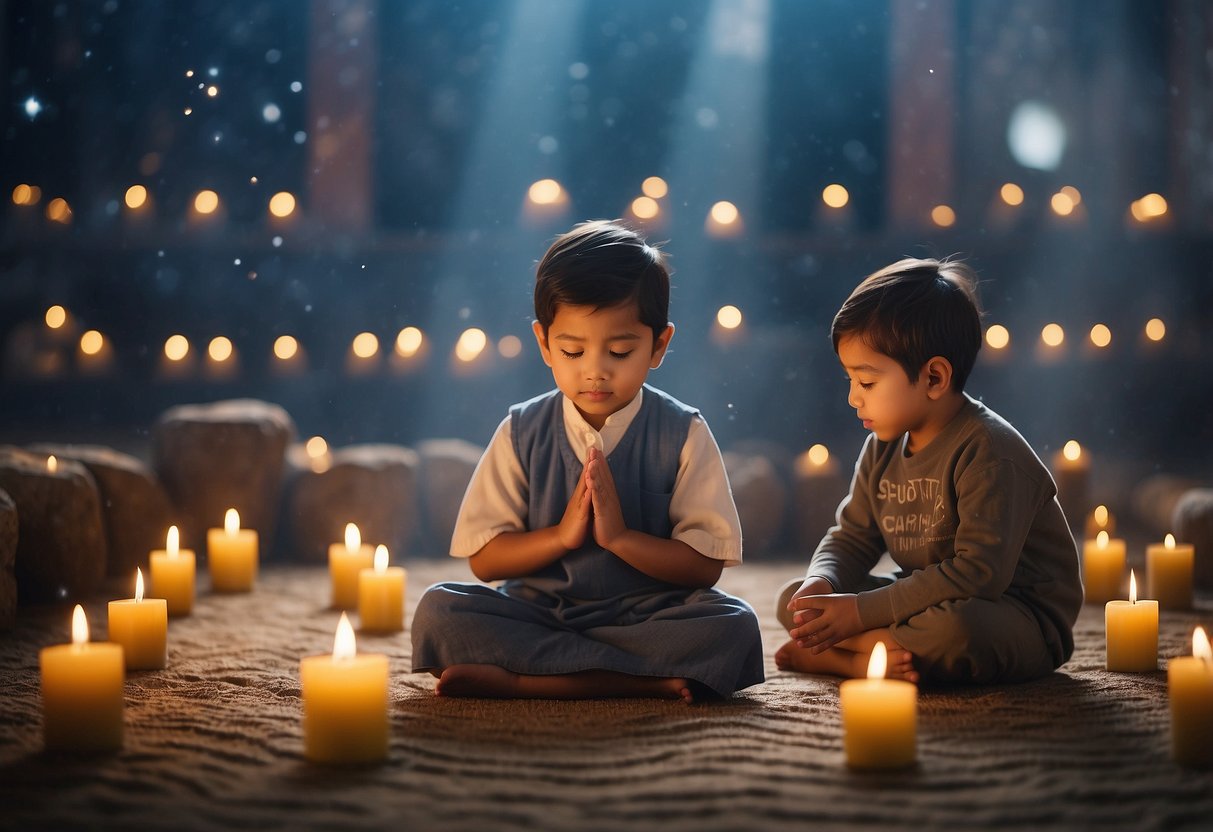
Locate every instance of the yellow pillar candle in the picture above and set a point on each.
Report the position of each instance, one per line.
(231, 553)
(346, 563)
(140, 625)
(1100, 520)
(1131, 630)
(1190, 687)
(1103, 568)
(82, 692)
(381, 595)
(1169, 573)
(879, 717)
(345, 699)
(173, 572)
(1071, 472)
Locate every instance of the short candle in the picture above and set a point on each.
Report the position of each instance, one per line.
(140, 625)
(346, 563)
(231, 553)
(879, 717)
(1190, 687)
(381, 595)
(1169, 573)
(345, 702)
(1103, 568)
(1131, 630)
(173, 573)
(82, 692)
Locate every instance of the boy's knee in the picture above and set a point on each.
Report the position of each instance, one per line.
(435, 604)
(973, 642)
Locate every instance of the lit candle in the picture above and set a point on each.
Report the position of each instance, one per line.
(173, 573)
(141, 626)
(819, 487)
(346, 563)
(1169, 573)
(1071, 471)
(345, 699)
(1100, 520)
(879, 717)
(231, 553)
(82, 692)
(1131, 630)
(1103, 568)
(1190, 686)
(381, 595)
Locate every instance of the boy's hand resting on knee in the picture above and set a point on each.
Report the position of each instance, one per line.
(574, 526)
(824, 620)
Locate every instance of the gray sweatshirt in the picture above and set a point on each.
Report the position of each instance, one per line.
(972, 515)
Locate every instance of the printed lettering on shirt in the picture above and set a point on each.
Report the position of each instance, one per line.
(913, 513)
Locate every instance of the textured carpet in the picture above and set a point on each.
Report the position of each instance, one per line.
(214, 742)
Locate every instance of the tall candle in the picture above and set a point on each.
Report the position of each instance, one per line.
(231, 553)
(1190, 687)
(818, 488)
(82, 692)
(173, 573)
(1169, 573)
(1131, 630)
(1072, 471)
(1103, 568)
(879, 717)
(381, 595)
(346, 563)
(140, 625)
(345, 699)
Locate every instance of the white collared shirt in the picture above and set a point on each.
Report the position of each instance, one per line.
(701, 508)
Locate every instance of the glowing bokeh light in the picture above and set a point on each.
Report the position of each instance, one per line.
(510, 346)
(220, 349)
(136, 196)
(1062, 204)
(998, 337)
(835, 196)
(316, 447)
(729, 317)
(1101, 336)
(285, 347)
(1053, 335)
(1072, 450)
(176, 347)
(1036, 136)
(819, 454)
(409, 341)
(365, 345)
(943, 216)
(1011, 194)
(91, 342)
(725, 213)
(471, 344)
(22, 195)
(282, 204)
(206, 202)
(1073, 193)
(645, 207)
(1156, 330)
(57, 210)
(545, 192)
(654, 187)
(56, 316)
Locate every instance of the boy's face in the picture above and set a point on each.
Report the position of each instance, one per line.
(883, 397)
(600, 357)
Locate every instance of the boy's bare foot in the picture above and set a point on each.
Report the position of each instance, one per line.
(493, 682)
(840, 662)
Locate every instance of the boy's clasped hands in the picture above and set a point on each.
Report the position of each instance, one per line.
(594, 507)
(823, 617)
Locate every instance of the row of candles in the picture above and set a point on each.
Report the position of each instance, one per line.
(345, 694)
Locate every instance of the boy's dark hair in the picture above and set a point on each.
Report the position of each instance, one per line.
(914, 310)
(603, 264)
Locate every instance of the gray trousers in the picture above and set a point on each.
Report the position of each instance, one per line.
(967, 641)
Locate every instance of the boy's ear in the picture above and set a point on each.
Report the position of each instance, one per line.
(938, 373)
(660, 346)
(542, 340)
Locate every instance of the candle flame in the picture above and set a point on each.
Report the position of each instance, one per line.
(79, 626)
(1101, 515)
(1200, 645)
(231, 521)
(172, 542)
(1072, 450)
(138, 584)
(1101, 541)
(344, 646)
(1169, 541)
(52, 464)
(380, 559)
(353, 540)
(879, 661)
(1132, 587)
(819, 454)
